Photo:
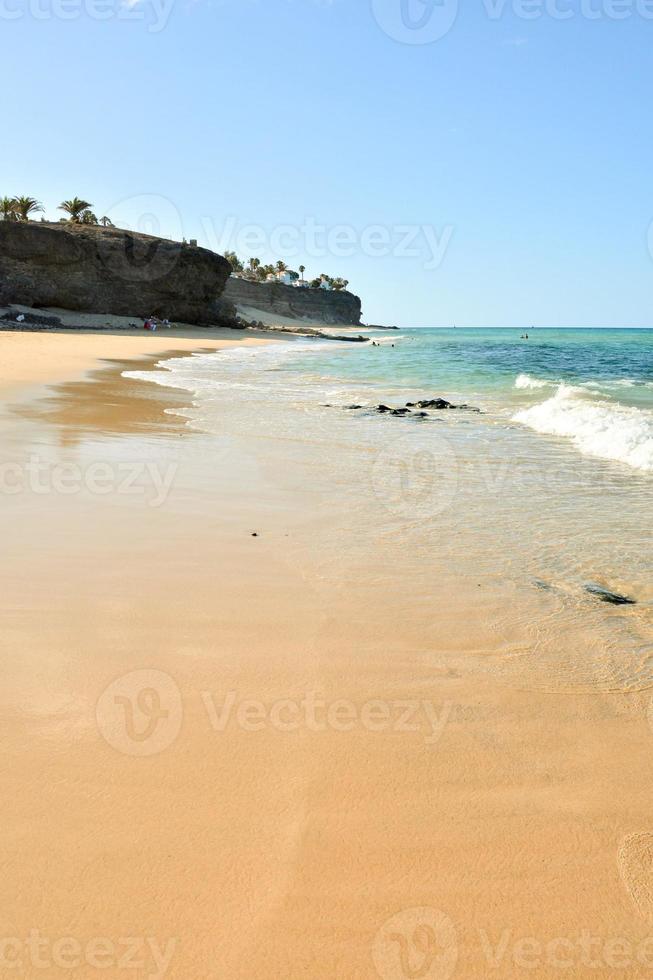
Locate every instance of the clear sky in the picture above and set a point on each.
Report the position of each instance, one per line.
(498, 174)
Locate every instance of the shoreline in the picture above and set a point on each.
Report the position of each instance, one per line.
(36, 357)
(283, 664)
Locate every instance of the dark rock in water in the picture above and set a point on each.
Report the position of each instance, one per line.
(605, 595)
(350, 408)
(335, 336)
(431, 403)
(439, 403)
(541, 584)
(435, 403)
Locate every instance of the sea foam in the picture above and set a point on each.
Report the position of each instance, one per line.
(596, 428)
(526, 381)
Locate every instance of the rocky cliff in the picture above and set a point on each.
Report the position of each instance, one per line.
(107, 270)
(321, 305)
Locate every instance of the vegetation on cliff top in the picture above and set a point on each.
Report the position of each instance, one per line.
(79, 212)
(256, 271)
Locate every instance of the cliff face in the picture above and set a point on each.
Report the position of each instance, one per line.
(323, 306)
(107, 270)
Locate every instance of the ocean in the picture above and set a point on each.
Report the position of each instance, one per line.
(545, 490)
(592, 387)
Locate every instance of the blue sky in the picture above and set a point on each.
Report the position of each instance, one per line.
(497, 175)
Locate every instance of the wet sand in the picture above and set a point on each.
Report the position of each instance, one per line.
(267, 757)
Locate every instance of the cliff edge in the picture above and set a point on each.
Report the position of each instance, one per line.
(109, 270)
(324, 306)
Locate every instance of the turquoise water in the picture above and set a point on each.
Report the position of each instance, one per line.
(490, 360)
(548, 487)
(593, 388)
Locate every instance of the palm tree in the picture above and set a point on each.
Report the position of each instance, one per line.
(106, 222)
(8, 209)
(281, 266)
(254, 264)
(24, 206)
(234, 261)
(75, 208)
(88, 218)
(302, 269)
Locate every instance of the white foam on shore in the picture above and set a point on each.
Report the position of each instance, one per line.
(596, 428)
(203, 373)
(526, 381)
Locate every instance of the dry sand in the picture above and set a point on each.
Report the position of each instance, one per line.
(213, 748)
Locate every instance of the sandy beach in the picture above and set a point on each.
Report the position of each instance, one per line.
(50, 356)
(246, 736)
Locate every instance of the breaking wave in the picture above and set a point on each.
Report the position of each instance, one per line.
(526, 381)
(596, 428)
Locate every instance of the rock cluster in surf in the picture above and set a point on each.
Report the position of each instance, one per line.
(407, 411)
